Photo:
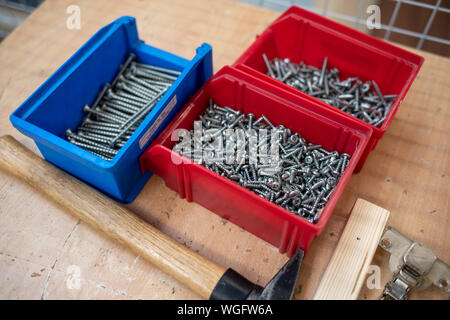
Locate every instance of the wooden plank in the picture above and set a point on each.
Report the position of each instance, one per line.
(348, 266)
(408, 172)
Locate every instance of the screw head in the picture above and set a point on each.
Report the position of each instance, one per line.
(331, 181)
(309, 160)
(386, 243)
(443, 283)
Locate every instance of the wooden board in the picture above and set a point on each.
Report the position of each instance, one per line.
(349, 265)
(42, 248)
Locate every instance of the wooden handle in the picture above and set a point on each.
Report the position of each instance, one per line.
(187, 266)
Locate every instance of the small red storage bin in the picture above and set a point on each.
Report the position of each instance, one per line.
(246, 209)
(301, 35)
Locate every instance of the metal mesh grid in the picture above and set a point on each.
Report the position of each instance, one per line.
(356, 21)
(12, 14)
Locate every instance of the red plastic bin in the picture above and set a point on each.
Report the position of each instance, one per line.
(301, 35)
(244, 208)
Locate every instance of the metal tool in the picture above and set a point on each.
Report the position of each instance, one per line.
(414, 266)
(233, 286)
(203, 276)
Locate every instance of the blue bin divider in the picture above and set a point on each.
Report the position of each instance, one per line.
(57, 105)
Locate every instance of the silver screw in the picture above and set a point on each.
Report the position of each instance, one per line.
(158, 69)
(301, 182)
(348, 95)
(124, 105)
(135, 118)
(101, 114)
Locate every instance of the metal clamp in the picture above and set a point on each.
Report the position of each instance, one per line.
(414, 266)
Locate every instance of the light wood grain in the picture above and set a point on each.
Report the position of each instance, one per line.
(408, 173)
(100, 212)
(349, 264)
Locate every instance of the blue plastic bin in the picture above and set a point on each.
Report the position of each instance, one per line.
(57, 105)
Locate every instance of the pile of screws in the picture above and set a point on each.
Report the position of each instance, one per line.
(362, 100)
(301, 179)
(121, 107)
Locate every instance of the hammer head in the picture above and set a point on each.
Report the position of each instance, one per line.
(282, 285)
(233, 286)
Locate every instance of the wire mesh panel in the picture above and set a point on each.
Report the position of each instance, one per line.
(400, 19)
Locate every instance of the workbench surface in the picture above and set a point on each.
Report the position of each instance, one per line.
(41, 245)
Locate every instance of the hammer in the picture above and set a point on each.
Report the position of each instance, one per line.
(205, 277)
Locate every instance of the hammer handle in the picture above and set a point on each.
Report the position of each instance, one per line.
(100, 212)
